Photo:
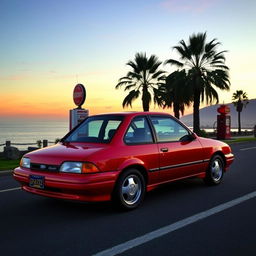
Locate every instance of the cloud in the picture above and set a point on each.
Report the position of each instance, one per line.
(194, 6)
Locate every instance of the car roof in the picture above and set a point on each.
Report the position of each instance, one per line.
(133, 113)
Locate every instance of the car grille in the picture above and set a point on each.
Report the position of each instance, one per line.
(44, 167)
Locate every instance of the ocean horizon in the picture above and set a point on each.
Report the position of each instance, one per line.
(30, 131)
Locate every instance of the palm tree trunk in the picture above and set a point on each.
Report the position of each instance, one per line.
(176, 110)
(145, 106)
(145, 99)
(196, 117)
(239, 109)
(239, 122)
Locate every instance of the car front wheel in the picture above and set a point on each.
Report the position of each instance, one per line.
(215, 171)
(130, 189)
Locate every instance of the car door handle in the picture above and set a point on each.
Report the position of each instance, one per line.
(164, 149)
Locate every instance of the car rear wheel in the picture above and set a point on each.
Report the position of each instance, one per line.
(130, 190)
(215, 171)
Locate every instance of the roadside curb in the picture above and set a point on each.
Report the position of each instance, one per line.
(5, 173)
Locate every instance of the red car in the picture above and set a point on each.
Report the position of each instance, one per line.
(119, 157)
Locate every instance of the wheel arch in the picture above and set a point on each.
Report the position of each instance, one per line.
(221, 154)
(138, 167)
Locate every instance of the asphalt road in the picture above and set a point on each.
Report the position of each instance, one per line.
(34, 225)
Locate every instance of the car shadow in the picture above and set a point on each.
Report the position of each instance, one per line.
(43, 206)
(162, 192)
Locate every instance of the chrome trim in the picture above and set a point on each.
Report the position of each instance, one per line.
(178, 165)
(154, 169)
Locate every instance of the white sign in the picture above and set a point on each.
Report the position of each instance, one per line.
(76, 116)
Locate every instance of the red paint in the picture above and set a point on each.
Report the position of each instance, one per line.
(224, 109)
(183, 159)
(79, 95)
(223, 122)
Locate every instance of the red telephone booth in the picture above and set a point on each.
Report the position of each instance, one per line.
(223, 122)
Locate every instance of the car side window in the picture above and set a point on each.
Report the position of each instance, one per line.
(111, 128)
(138, 132)
(167, 129)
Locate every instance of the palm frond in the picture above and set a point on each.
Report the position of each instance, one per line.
(210, 47)
(134, 75)
(158, 95)
(128, 87)
(197, 44)
(174, 62)
(158, 74)
(121, 83)
(186, 51)
(220, 78)
(133, 95)
(182, 52)
(210, 94)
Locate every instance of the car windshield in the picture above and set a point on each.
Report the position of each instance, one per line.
(95, 129)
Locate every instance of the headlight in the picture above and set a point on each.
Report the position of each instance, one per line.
(74, 167)
(25, 162)
(78, 167)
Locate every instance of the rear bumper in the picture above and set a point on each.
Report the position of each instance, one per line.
(81, 187)
(229, 160)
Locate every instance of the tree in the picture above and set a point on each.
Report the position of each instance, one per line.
(240, 100)
(144, 79)
(176, 92)
(206, 68)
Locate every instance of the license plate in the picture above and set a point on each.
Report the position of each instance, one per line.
(36, 181)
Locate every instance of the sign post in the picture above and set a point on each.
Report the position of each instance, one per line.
(77, 115)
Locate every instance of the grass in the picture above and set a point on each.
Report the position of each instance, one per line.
(239, 140)
(8, 164)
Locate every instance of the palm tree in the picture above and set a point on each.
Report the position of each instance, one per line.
(176, 92)
(240, 100)
(144, 79)
(206, 68)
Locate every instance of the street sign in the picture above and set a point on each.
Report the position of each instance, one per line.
(79, 95)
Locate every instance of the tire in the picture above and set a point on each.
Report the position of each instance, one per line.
(215, 171)
(130, 190)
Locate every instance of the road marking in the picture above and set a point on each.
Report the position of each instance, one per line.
(10, 189)
(247, 148)
(118, 249)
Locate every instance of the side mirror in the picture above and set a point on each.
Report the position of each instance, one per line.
(188, 137)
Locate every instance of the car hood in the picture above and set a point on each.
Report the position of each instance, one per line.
(57, 154)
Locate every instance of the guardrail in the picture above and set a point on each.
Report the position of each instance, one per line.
(39, 143)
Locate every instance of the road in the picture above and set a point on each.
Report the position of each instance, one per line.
(34, 225)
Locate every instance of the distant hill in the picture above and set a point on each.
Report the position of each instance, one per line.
(208, 116)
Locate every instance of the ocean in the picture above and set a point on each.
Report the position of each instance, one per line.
(31, 131)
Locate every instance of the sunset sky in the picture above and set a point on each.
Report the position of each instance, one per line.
(49, 46)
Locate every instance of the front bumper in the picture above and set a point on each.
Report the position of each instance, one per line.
(81, 187)
(229, 160)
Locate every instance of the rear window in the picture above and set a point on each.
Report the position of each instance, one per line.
(96, 129)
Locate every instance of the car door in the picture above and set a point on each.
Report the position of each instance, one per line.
(180, 153)
(140, 145)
